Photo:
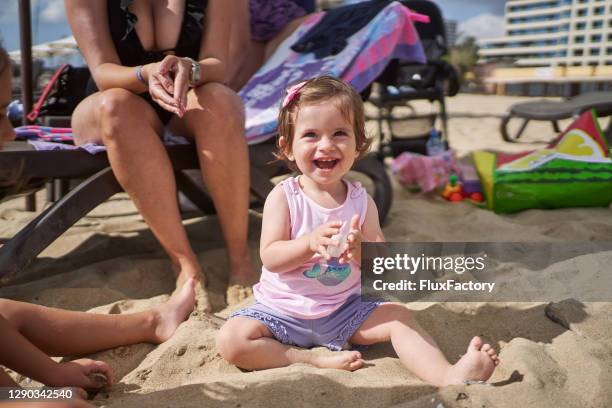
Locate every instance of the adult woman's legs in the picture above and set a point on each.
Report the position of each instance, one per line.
(131, 131)
(215, 119)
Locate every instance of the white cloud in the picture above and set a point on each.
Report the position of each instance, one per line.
(49, 11)
(53, 11)
(482, 26)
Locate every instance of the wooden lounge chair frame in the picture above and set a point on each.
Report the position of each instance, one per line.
(99, 184)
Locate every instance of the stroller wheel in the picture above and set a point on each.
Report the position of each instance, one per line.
(373, 167)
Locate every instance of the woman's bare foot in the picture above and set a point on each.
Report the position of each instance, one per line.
(191, 270)
(242, 278)
(477, 364)
(242, 272)
(342, 360)
(185, 270)
(175, 311)
(237, 293)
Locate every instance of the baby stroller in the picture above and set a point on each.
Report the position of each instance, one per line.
(402, 82)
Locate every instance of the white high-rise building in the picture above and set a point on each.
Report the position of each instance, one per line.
(553, 33)
(450, 28)
(563, 43)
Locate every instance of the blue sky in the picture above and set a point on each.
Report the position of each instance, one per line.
(480, 18)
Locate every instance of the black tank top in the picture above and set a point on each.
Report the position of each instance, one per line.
(122, 24)
(129, 48)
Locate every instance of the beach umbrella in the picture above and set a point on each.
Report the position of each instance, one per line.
(49, 49)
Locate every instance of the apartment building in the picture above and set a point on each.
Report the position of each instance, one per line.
(555, 41)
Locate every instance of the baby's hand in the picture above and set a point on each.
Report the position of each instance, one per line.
(320, 238)
(352, 248)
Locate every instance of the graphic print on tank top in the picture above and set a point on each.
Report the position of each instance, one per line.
(334, 272)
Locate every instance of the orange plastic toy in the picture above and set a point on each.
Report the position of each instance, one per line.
(453, 191)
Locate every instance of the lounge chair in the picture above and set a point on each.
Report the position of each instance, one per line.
(552, 111)
(261, 96)
(99, 184)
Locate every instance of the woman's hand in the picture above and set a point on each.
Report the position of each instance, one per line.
(352, 248)
(169, 82)
(320, 238)
(83, 373)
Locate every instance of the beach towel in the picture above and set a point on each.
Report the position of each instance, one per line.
(389, 35)
(575, 170)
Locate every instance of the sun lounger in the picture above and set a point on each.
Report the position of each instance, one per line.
(552, 111)
(98, 184)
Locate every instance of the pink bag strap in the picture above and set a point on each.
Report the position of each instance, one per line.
(417, 17)
(36, 110)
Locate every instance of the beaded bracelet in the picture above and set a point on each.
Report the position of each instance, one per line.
(139, 75)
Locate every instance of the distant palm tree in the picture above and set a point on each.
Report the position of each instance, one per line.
(464, 56)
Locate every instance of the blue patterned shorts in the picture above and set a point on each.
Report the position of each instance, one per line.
(333, 331)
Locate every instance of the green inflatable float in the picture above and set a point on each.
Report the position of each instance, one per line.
(575, 170)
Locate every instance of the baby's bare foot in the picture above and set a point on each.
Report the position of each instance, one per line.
(175, 311)
(342, 360)
(477, 364)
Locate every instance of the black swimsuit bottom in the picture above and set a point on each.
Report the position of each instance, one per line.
(122, 23)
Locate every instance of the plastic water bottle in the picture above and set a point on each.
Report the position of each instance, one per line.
(434, 145)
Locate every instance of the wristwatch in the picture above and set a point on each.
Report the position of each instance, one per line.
(195, 75)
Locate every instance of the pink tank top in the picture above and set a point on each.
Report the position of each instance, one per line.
(317, 288)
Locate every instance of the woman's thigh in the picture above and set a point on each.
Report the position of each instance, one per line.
(108, 113)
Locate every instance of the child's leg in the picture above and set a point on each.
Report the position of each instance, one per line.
(60, 332)
(249, 344)
(419, 352)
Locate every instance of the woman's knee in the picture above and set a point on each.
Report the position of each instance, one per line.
(118, 109)
(9, 310)
(221, 101)
(115, 103)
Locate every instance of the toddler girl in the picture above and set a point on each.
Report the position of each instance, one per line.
(306, 297)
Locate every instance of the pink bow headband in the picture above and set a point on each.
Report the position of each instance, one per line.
(293, 93)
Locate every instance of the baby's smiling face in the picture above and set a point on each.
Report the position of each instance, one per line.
(323, 146)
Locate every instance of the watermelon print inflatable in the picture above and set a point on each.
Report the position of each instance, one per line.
(575, 170)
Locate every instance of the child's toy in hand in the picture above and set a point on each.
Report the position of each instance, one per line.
(340, 237)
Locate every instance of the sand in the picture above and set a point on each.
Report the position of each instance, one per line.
(553, 354)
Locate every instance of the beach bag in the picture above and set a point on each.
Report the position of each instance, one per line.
(575, 170)
(66, 88)
(425, 172)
